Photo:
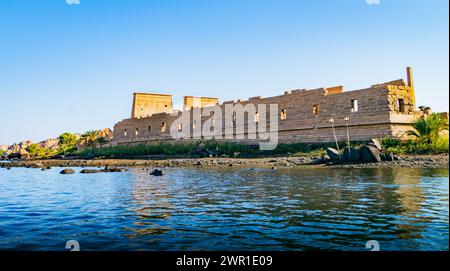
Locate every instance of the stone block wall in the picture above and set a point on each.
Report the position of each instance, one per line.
(199, 102)
(147, 104)
(307, 114)
(383, 110)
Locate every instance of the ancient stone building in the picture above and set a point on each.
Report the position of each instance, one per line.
(382, 110)
(147, 104)
(190, 102)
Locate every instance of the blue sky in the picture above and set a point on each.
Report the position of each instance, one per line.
(74, 67)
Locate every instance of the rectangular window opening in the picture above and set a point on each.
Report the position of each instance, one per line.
(355, 106)
(283, 114)
(401, 105)
(316, 109)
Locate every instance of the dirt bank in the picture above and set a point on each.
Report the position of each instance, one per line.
(416, 161)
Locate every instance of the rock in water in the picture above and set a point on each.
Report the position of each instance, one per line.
(351, 154)
(156, 172)
(333, 154)
(370, 153)
(376, 143)
(89, 171)
(67, 171)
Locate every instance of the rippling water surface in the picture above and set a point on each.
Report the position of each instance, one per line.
(225, 209)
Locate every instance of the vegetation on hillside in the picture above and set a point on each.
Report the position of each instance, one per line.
(67, 143)
(37, 151)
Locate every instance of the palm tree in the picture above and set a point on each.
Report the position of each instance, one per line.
(87, 139)
(428, 129)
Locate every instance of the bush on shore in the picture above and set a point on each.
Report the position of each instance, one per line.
(437, 146)
(220, 148)
(428, 138)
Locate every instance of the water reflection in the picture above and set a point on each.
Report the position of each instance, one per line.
(150, 202)
(288, 209)
(226, 209)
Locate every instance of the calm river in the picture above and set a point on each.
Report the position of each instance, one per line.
(225, 209)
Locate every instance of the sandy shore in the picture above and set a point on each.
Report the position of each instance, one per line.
(416, 161)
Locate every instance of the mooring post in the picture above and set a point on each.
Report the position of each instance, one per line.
(347, 119)
(335, 137)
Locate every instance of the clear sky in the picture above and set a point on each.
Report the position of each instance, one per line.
(74, 67)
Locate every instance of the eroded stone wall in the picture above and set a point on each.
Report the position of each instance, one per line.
(147, 104)
(304, 115)
(199, 102)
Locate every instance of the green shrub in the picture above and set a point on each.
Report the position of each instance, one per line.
(36, 151)
(220, 148)
(436, 145)
(67, 143)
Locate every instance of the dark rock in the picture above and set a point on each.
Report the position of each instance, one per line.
(274, 168)
(375, 143)
(333, 154)
(320, 160)
(156, 172)
(387, 157)
(67, 171)
(90, 171)
(370, 153)
(351, 154)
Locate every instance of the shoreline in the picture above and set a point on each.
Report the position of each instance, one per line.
(406, 161)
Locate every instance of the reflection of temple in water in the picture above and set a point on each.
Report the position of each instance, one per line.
(366, 193)
(411, 199)
(150, 205)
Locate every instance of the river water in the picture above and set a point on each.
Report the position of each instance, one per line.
(225, 209)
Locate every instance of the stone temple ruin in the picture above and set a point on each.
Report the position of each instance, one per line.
(382, 110)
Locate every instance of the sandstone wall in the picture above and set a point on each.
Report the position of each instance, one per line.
(307, 114)
(200, 102)
(147, 104)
